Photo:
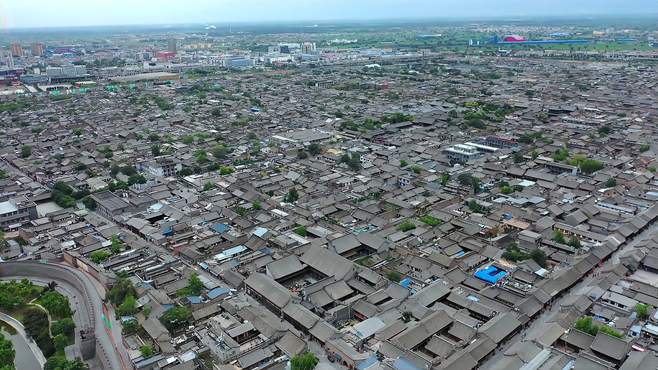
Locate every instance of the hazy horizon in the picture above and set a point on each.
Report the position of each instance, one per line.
(77, 13)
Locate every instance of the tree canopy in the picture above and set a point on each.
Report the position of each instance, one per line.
(305, 361)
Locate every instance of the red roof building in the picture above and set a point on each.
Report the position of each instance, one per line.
(514, 38)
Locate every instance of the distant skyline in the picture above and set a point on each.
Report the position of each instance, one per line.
(74, 13)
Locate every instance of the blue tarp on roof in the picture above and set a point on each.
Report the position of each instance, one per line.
(220, 228)
(405, 282)
(217, 292)
(260, 232)
(195, 299)
(491, 274)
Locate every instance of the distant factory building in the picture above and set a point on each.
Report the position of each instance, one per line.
(239, 63)
(142, 77)
(514, 38)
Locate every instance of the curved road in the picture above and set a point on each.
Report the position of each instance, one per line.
(109, 349)
(32, 355)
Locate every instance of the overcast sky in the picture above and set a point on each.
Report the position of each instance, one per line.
(58, 13)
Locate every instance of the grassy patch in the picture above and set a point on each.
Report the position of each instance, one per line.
(430, 220)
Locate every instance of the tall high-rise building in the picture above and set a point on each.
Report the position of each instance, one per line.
(308, 47)
(16, 50)
(9, 60)
(37, 49)
(172, 45)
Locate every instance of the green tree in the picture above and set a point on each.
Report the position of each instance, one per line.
(353, 160)
(208, 186)
(256, 204)
(558, 237)
(7, 354)
(26, 151)
(586, 325)
(120, 290)
(60, 342)
(147, 351)
(403, 163)
(128, 307)
(301, 231)
(226, 170)
(155, 150)
(643, 311)
(240, 210)
(61, 363)
(130, 327)
(117, 245)
(56, 304)
(187, 139)
(305, 361)
(176, 318)
(610, 331)
(195, 285)
(605, 130)
(611, 183)
(560, 155)
(514, 254)
(506, 190)
(64, 326)
(35, 320)
(445, 177)
(100, 256)
(136, 179)
(467, 179)
(89, 203)
(301, 154)
(430, 220)
(589, 166)
(292, 196)
(314, 149)
(406, 226)
(219, 151)
(575, 242)
(118, 185)
(201, 156)
(518, 157)
(644, 148)
(475, 207)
